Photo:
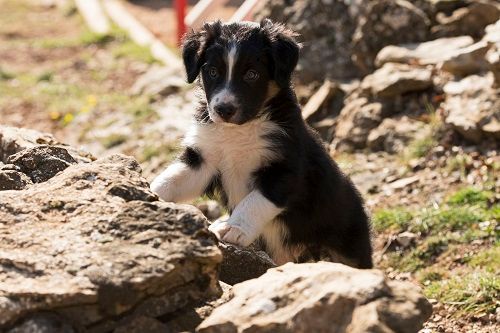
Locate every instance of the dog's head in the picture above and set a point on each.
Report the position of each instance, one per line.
(242, 66)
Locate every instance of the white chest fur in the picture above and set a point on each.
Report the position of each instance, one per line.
(236, 151)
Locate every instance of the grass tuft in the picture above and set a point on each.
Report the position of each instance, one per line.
(472, 294)
(470, 196)
(391, 219)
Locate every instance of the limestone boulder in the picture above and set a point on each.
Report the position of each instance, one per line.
(470, 20)
(427, 53)
(356, 120)
(341, 39)
(472, 106)
(457, 55)
(93, 249)
(386, 22)
(393, 134)
(321, 297)
(396, 79)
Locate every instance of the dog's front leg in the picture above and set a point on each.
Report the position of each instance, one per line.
(247, 221)
(181, 181)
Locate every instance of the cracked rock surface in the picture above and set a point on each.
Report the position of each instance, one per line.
(91, 248)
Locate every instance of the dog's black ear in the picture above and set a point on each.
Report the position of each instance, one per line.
(284, 50)
(195, 45)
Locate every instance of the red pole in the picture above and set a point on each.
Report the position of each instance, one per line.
(180, 6)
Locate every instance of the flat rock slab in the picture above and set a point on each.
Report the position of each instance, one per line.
(320, 297)
(92, 247)
(396, 79)
(428, 53)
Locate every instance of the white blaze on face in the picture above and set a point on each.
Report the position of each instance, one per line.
(231, 59)
(225, 96)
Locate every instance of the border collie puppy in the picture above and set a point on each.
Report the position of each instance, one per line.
(251, 145)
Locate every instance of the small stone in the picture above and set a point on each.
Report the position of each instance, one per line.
(241, 264)
(406, 239)
(42, 162)
(13, 180)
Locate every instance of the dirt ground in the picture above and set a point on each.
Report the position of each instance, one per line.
(56, 76)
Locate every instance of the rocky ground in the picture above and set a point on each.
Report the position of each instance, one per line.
(415, 125)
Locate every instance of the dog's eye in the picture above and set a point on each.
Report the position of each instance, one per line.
(212, 71)
(251, 75)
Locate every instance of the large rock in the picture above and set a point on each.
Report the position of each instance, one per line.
(321, 297)
(393, 134)
(387, 22)
(470, 20)
(493, 58)
(188, 319)
(326, 27)
(355, 122)
(444, 6)
(473, 108)
(469, 60)
(92, 249)
(457, 55)
(428, 53)
(342, 38)
(492, 37)
(396, 79)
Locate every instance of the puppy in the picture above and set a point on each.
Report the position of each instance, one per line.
(250, 145)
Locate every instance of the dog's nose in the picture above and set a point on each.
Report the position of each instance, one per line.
(225, 110)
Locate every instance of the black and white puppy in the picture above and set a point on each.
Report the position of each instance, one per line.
(250, 144)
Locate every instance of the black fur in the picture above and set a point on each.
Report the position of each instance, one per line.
(191, 157)
(323, 211)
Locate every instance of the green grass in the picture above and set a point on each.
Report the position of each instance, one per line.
(421, 147)
(472, 294)
(449, 218)
(420, 257)
(466, 210)
(470, 196)
(118, 41)
(451, 269)
(391, 219)
(131, 49)
(488, 260)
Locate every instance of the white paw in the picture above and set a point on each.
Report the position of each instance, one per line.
(230, 233)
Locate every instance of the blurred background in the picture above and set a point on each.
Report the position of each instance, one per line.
(404, 93)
